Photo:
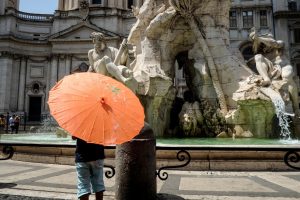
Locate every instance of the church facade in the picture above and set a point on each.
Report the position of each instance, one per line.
(37, 50)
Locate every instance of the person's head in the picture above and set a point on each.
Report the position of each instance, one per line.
(98, 40)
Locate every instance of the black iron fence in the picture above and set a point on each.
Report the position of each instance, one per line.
(291, 155)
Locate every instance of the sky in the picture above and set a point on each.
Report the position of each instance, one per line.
(38, 6)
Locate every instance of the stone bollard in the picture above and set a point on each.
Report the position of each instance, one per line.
(136, 167)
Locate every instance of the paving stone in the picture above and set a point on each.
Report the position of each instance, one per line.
(26, 181)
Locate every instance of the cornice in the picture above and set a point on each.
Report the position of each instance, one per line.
(248, 7)
(23, 40)
(43, 58)
(78, 40)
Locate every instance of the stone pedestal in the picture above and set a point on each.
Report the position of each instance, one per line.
(136, 167)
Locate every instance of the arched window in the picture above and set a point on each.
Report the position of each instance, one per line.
(129, 4)
(35, 87)
(96, 1)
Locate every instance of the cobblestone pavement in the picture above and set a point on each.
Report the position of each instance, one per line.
(35, 181)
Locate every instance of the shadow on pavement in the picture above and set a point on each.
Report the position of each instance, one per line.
(162, 196)
(19, 197)
(7, 185)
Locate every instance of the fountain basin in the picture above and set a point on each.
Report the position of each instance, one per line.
(52, 139)
(206, 154)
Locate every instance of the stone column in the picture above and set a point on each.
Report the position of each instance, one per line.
(139, 3)
(239, 23)
(270, 21)
(22, 84)
(48, 84)
(105, 3)
(136, 167)
(53, 74)
(256, 18)
(5, 80)
(112, 3)
(61, 67)
(61, 5)
(68, 64)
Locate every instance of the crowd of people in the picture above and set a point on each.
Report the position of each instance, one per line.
(11, 125)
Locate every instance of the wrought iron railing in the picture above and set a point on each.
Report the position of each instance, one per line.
(291, 155)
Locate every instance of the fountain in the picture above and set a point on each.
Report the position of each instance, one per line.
(194, 36)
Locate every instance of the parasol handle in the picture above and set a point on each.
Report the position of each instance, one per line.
(102, 100)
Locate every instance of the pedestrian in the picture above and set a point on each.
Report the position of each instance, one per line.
(17, 123)
(12, 123)
(2, 123)
(89, 160)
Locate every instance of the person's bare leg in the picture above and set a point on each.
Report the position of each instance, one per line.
(99, 195)
(84, 197)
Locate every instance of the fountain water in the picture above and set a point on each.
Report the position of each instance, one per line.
(282, 115)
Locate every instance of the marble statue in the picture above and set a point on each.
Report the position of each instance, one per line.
(270, 94)
(190, 116)
(195, 33)
(108, 60)
(272, 64)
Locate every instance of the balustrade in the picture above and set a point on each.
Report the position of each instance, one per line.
(34, 17)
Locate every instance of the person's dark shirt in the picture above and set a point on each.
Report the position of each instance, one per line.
(86, 152)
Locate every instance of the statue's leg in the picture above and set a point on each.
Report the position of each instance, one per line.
(125, 71)
(287, 75)
(262, 68)
(100, 67)
(114, 70)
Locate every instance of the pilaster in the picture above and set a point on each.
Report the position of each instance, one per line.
(6, 66)
(68, 64)
(22, 83)
(54, 70)
(61, 66)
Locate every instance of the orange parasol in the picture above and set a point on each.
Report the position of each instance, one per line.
(96, 108)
